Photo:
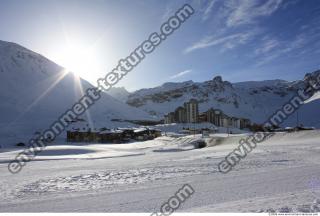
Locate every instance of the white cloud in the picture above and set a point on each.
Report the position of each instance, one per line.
(302, 44)
(180, 74)
(267, 53)
(207, 42)
(227, 42)
(233, 14)
(267, 46)
(247, 11)
(208, 9)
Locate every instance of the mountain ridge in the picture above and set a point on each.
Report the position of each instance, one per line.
(255, 100)
(35, 91)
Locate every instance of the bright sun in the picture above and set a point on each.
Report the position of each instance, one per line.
(80, 60)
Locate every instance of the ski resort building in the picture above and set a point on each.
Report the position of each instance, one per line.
(225, 121)
(215, 117)
(169, 118)
(202, 117)
(180, 115)
(192, 111)
(190, 114)
(244, 123)
(187, 114)
(112, 136)
(235, 122)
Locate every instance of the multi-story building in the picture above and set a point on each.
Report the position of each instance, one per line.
(189, 113)
(169, 118)
(180, 115)
(226, 120)
(192, 111)
(202, 117)
(235, 122)
(244, 123)
(215, 117)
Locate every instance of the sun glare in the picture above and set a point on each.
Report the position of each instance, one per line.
(80, 60)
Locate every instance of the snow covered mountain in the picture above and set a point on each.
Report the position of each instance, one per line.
(120, 93)
(34, 91)
(255, 100)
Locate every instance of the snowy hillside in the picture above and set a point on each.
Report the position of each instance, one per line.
(120, 93)
(255, 100)
(34, 91)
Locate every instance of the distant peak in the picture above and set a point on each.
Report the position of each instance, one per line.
(217, 79)
(118, 90)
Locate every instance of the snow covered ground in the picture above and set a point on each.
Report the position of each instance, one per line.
(282, 174)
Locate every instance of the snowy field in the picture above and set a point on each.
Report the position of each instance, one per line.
(282, 174)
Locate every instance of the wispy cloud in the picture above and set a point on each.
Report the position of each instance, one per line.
(305, 43)
(287, 4)
(208, 9)
(248, 11)
(273, 49)
(237, 18)
(268, 44)
(167, 13)
(238, 25)
(180, 74)
(226, 42)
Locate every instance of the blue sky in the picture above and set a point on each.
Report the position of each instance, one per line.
(237, 39)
